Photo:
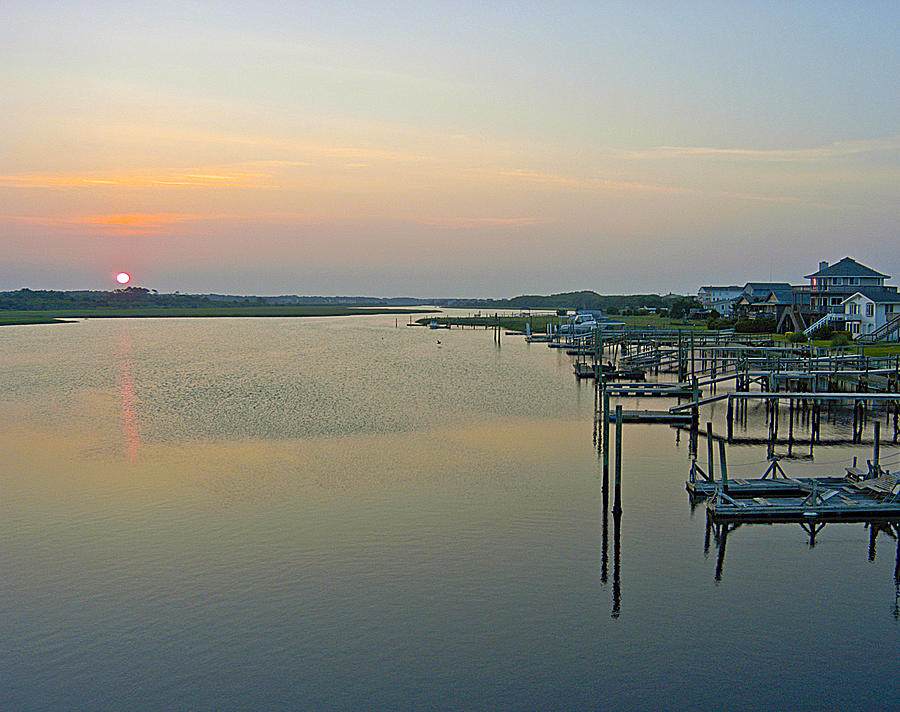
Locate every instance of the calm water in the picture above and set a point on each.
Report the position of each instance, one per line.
(337, 514)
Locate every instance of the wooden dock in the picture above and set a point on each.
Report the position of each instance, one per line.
(651, 416)
(862, 494)
(589, 370)
(740, 488)
(651, 390)
(839, 504)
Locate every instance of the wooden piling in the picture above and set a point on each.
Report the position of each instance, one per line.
(709, 450)
(617, 494)
(606, 435)
(730, 417)
(876, 449)
(723, 466)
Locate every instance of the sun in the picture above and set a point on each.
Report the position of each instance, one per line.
(123, 278)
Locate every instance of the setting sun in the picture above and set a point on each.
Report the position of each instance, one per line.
(123, 278)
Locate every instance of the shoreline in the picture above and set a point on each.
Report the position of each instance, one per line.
(66, 316)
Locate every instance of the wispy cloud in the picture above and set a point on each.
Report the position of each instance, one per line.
(593, 182)
(601, 184)
(235, 180)
(455, 223)
(299, 151)
(820, 153)
(117, 223)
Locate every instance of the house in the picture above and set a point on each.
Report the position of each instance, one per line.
(872, 308)
(755, 299)
(718, 299)
(832, 284)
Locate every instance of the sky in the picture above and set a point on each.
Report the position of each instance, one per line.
(445, 148)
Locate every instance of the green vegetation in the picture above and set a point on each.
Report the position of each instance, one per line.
(23, 318)
(883, 350)
(585, 299)
(841, 338)
(539, 321)
(513, 323)
(54, 316)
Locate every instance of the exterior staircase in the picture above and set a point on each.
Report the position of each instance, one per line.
(827, 319)
(882, 333)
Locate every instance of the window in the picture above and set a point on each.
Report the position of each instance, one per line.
(870, 309)
(854, 327)
(854, 309)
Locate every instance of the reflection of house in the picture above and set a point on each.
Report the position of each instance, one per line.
(871, 309)
(718, 299)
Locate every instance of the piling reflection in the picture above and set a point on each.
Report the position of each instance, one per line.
(617, 566)
(890, 529)
(776, 448)
(616, 546)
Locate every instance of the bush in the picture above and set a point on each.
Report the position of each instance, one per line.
(796, 337)
(841, 338)
(612, 311)
(761, 325)
(823, 332)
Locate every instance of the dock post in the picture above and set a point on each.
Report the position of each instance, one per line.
(730, 417)
(723, 466)
(617, 496)
(876, 450)
(896, 411)
(605, 436)
(693, 372)
(709, 450)
(790, 420)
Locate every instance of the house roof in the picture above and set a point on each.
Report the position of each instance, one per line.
(784, 296)
(880, 295)
(733, 287)
(767, 286)
(847, 267)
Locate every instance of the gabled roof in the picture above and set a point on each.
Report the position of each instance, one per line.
(733, 287)
(847, 267)
(781, 296)
(879, 295)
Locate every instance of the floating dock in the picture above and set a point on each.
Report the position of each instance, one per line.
(651, 416)
(589, 370)
(860, 495)
(651, 390)
(841, 504)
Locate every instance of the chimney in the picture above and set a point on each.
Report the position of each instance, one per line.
(822, 265)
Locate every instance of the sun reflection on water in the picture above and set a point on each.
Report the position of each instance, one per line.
(129, 410)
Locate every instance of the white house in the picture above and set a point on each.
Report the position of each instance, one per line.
(718, 299)
(832, 284)
(869, 309)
